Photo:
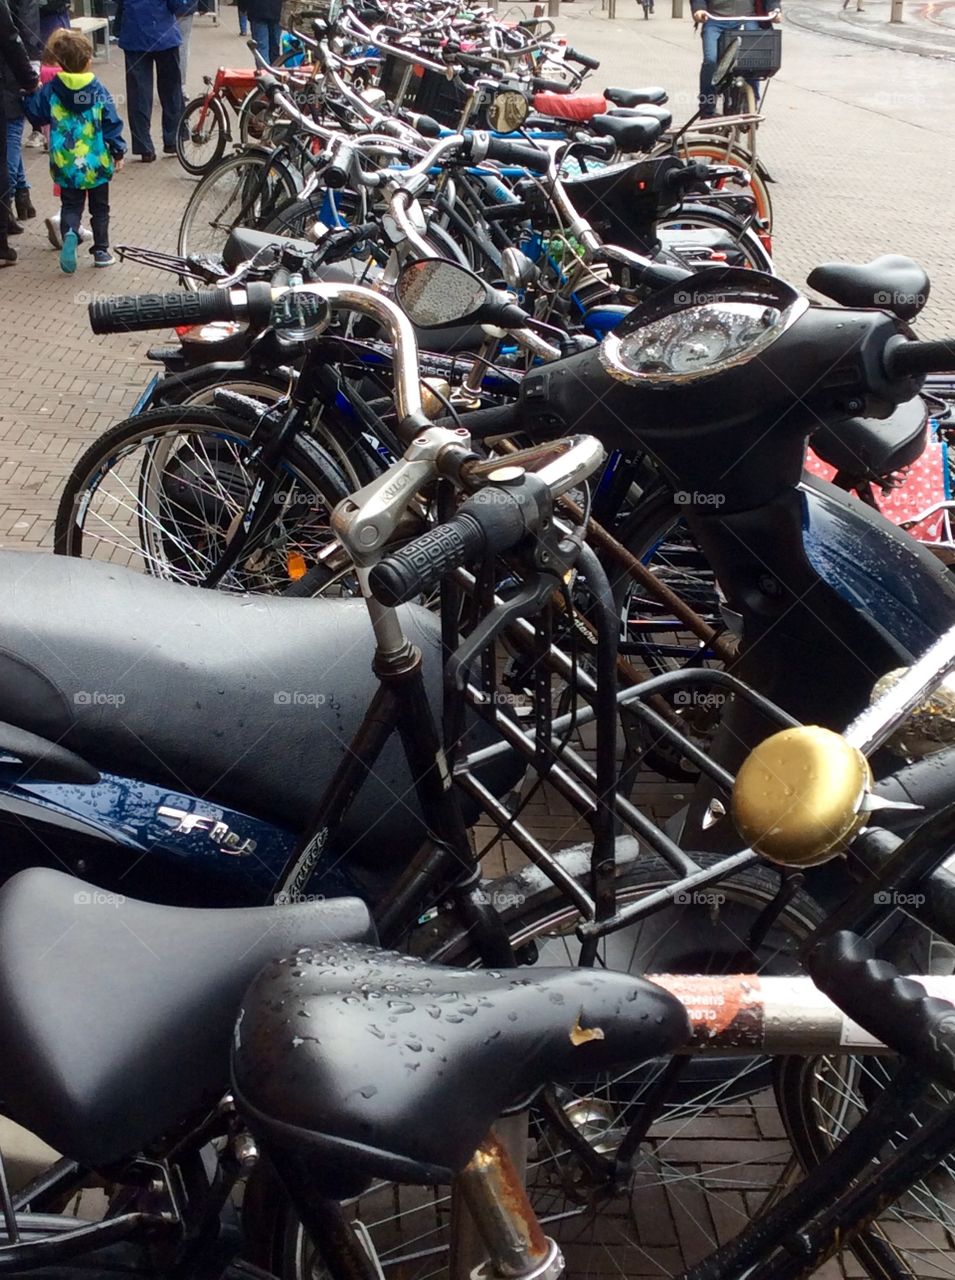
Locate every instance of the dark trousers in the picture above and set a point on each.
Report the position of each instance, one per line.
(139, 96)
(6, 194)
(72, 202)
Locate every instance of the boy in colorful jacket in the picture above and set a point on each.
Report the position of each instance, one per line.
(86, 143)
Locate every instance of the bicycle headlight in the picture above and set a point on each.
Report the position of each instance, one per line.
(694, 342)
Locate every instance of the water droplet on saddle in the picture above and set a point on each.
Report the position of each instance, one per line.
(401, 1006)
(368, 1091)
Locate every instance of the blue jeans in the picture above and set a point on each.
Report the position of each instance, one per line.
(711, 43)
(267, 35)
(243, 21)
(15, 170)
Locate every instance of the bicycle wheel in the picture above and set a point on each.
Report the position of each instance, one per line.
(163, 492)
(242, 190)
(748, 250)
(821, 1100)
(714, 1175)
(715, 151)
(654, 639)
(201, 135)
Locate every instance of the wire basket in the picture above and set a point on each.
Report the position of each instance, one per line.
(760, 53)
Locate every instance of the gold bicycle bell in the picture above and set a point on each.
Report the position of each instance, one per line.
(803, 793)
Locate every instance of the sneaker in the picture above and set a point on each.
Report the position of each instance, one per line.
(68, 253)
(8, 256)
(103, 258)
(53, 232)
(35, 139)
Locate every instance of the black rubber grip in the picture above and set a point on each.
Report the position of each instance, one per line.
(896, 1009)
(159, 310)
(602, 148)
(420, 566)
(508, 152)
(508, 212)
(582, 59)
(540, 85)
(910, 359)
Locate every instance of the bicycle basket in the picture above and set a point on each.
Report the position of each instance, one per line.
(760, 52)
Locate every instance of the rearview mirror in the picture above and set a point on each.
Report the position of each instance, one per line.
(508, 111)
(436, 292)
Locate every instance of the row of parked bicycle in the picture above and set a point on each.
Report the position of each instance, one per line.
(487, 445)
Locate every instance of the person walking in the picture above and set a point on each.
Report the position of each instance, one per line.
(714, 17)
(265, 22)
(86, 144)
(15, 70)
(150, 38)
(26, 19)
(243, 17)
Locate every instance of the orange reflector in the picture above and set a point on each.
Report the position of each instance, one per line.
(296, 566)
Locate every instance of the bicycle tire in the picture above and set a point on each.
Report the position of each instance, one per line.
(714, 153)
(701, 216)
(186, 135)
(798, 1085)
(537, 911)
(197, 497)
(243, 189)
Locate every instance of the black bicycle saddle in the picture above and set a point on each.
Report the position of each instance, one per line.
(891, 282)
(364, 1063)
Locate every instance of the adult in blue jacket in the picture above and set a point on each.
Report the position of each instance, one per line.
(150, 38)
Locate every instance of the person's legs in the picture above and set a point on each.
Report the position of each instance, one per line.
(99, 215)
(275, 41)
(72, 202)
(711, 42)
(243, 21)
(139, 100)
(169, 85)
(260, 34)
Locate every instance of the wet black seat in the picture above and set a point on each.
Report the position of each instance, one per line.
(634, 97)
(371, 1064)
(630, 133)
(648, 111)
(871, 448)
(247, 701)
(891, 282)
(116, 1016)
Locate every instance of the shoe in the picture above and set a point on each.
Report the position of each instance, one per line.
(149, 157)
(35, 139)
(13, 227)
(103, 258)
(68, 253)
(24, 204)
(169, 151)
(8, 256)
(53, 231)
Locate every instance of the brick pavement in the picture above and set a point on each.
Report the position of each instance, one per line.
(859, 139)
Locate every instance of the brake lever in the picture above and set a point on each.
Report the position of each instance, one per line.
(530, 600)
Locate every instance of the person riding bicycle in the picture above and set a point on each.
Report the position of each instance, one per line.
(715, 17)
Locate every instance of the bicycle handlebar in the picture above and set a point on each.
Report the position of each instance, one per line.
(906, 359)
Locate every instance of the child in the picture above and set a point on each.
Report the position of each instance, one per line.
(86, 143)
(49, 69)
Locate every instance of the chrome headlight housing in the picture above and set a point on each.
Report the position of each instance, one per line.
(696, 337)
